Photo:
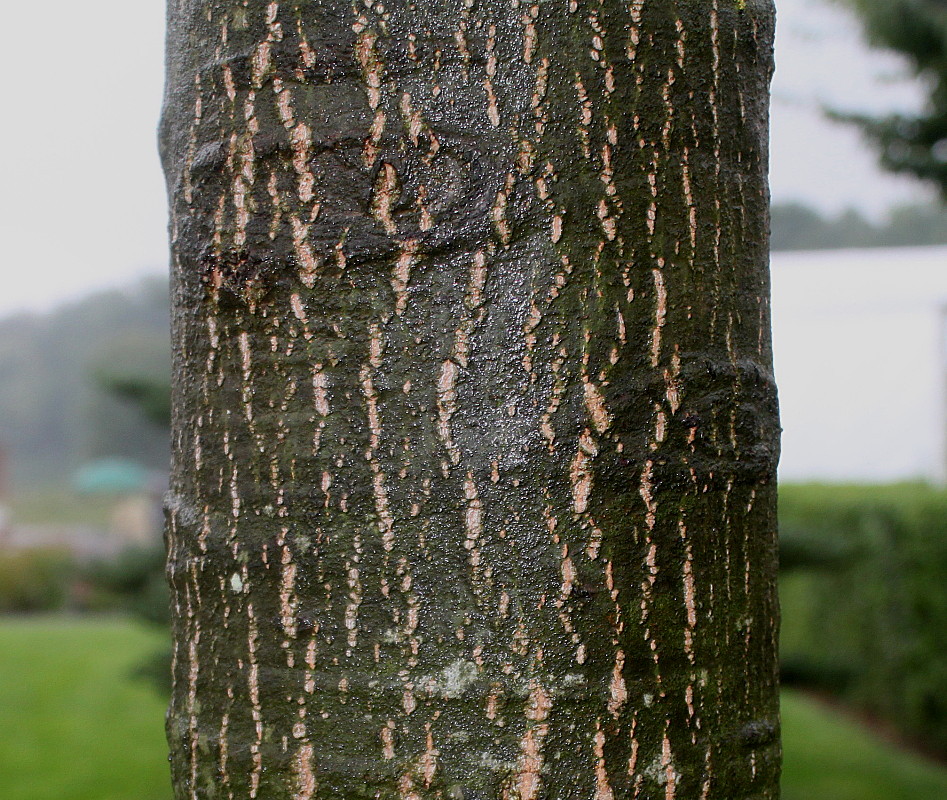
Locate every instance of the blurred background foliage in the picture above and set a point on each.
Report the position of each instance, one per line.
(796, 226)
(56, 407)
(864, 593)
(915, 144)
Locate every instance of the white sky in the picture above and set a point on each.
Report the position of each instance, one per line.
(82, 202)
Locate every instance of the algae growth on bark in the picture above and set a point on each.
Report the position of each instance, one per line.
(475, 429)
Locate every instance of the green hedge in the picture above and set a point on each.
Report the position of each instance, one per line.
(36, 580)
(864, 595)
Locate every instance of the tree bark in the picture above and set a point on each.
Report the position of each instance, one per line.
(475, 429)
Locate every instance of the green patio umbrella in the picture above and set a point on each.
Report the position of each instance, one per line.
(111, 476)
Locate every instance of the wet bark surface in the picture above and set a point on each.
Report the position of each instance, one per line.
(475, 427)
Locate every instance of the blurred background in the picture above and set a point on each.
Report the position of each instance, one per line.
(859, 170)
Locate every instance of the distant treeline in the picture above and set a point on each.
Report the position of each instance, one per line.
(57, 409)
(800, 227)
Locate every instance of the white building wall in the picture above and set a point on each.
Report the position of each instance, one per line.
(860, 364)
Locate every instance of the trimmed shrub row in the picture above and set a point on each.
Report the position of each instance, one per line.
(864, 598)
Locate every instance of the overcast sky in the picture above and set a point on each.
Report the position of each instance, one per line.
(82, 194)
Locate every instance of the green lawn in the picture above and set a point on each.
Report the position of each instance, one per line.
(75, 726)
(831, 758)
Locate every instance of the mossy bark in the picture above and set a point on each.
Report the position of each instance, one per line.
(475, 428)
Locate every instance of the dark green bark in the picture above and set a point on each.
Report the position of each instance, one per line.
(474, 421)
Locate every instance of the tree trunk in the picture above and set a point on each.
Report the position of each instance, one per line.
(475, 428)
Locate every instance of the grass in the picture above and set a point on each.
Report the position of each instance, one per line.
(829, 757)
(75, 726)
